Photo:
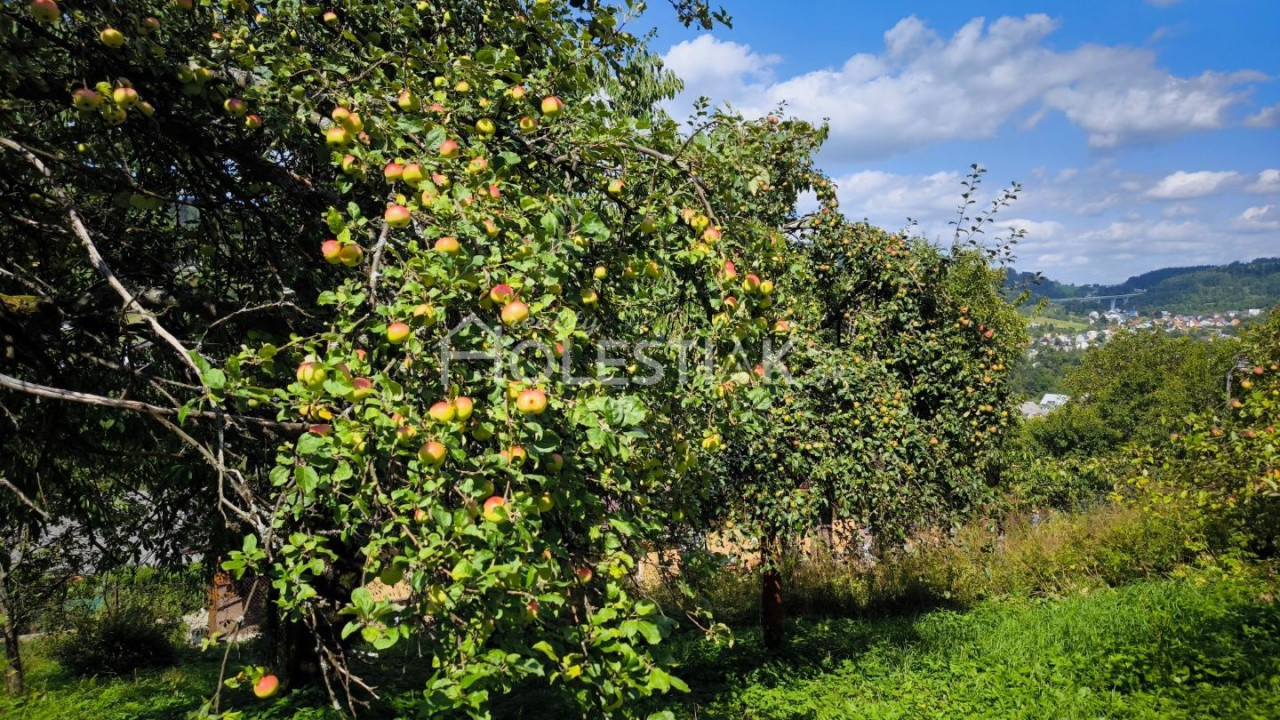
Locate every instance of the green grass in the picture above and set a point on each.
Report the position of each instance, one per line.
(1192, 648)
(1060, 323)
(1204, 646)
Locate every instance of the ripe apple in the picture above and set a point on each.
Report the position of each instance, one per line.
(729, 271)
(267, 686)
(555, 463)
(502, 294)
(397, 216)
(436, 108)
(463, 86)
(125, 97)
(782, 326)
(495, 509)
(149, 25)
(432, 453)
(448, 149)
(235, 106)
(351, 255)
(463, 407)
(614, 187)
(651, 269)
(486, 127)
(518, 92)
(337, 137)
(601, 272)
(311, 374)
(111, 37)
(442, 411)
(398, 332)
(361, 388)
(766, 287)
(441, 180)
(516, 455)
(330, 18)
(412, 174)
(490, 228)
(253, 122)
(86, 99)
(408, 102)
(583, 574)
(552, 106)
(590, 297)
(331, 250)
(350, 164)
(323, 429)
(532, 402)
(420, 516)
(514, 313)
(528, 124)
(711, 442)
(531, 610)
(45, 10)
(448, 245)
(184, 4)
(731, 302)
(477, 166)
(751, 283)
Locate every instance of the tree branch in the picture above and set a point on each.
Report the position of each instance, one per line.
(13, 383)
(99, 262)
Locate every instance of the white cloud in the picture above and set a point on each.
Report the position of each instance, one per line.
(922, 88)
(1036, 230)
(1268, 182)
(1180, 210)
(1265, 118)
(1182, 185)
(718, 68)
(1265, 218)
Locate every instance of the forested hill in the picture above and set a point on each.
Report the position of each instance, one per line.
(1200, 289)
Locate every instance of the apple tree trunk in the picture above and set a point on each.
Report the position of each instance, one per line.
(771, 595)
(13, 678)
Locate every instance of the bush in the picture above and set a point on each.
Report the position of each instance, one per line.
(116, 641)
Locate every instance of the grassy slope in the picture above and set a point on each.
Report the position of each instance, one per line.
(1166, 649)
(1201, 647)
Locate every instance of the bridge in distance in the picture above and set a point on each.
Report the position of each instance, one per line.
(1090, 298)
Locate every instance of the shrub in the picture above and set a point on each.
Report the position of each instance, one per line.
(116, 641)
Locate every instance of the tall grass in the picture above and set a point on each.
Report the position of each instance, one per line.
(1057, 554)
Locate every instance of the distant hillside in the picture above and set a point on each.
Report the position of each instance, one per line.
(1202, 289)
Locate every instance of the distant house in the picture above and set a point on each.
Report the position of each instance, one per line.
(1053, 401)
(1030, 410)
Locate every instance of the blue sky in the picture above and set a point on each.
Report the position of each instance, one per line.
(1145, 133)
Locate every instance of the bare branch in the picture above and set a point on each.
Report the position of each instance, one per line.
(54, 393)
(99, 262)
(25, 500)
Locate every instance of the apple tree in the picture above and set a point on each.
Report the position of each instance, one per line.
(507, 390)
(894, 402)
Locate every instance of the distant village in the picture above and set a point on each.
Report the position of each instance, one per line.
(1111, 322)
(1106, 324)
